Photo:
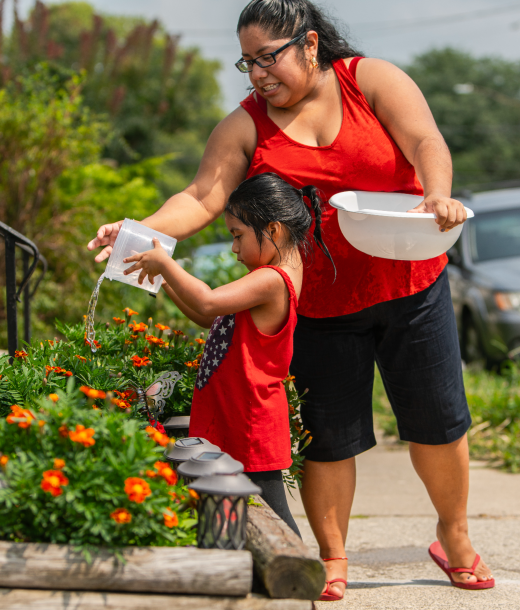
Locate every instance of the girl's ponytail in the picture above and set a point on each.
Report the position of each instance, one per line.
(311, 192)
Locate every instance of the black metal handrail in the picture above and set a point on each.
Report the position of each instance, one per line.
(13, 239)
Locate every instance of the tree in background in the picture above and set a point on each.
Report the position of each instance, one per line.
(100, 118)
(476, 103)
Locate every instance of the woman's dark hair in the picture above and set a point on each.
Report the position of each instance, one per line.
(289, 18)
(266, 198)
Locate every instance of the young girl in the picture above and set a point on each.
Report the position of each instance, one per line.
(239, 402)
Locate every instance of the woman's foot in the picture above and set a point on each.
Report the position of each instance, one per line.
(336, 568)
(455, 541)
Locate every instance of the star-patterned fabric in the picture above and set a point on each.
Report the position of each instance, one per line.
(239, 401)
(217, 345)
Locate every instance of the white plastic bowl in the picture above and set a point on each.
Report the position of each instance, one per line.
(378, 224)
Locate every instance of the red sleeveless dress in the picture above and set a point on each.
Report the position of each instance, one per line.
(363, 157)
(239, 402)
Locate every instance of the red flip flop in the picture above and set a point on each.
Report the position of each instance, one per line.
(439, 557)
(327, 595)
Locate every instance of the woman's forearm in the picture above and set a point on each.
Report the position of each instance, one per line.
(204, 321)
(432, 162)
(182, 216)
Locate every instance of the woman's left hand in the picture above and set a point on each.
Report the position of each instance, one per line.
(150, 262)
(448, 212)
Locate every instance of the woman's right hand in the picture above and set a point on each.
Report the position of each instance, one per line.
(106, 236)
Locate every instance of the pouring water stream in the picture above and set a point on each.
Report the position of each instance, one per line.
(90, 333)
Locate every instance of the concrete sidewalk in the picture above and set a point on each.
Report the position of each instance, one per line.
(394, 523)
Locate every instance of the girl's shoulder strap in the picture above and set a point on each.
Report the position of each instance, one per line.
(286, 278)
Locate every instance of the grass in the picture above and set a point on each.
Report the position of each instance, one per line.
(494, 403)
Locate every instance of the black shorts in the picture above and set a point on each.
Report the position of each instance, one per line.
(414, 342)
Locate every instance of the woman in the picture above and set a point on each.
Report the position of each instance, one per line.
(320, 115)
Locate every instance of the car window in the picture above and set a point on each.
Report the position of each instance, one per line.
(495, 235)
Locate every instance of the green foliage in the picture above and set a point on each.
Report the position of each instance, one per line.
(299, 438)
(481, 126)
(153, 89)
(494, 404)
(494, 401)
(79, 511)
(109, 369)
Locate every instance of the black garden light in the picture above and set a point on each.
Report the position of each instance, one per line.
(222, 510)
(179, 424)
(208, 463)
(186, 448)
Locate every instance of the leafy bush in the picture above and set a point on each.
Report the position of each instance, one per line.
(45, 366)
(131, 354)
(83, 476)
(494, 404)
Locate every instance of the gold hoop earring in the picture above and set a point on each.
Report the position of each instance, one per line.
(314, 63)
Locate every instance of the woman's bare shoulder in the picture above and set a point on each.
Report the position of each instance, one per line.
(238, 128)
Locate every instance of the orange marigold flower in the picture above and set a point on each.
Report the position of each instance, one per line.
(200, 341)
(189, 364)
(91, 393)
(63, 431)
(3, 460)
(147, 351)
(162, 327)
(169, 475)
(158, 437)
(53, 481)
(154, 340)
(118, 320)
(122, 404)
(193, 494)
(138, 327)
(81, 358)
(21, 354)
(53, 397)
(127, 342)
(172, 495)
(83, 436)
(290, 378)
(22, 417)
(137, 489)
(139, 362)
(59, 463)
(170, 519)
(130, 312)
(151, 473)
(178, 332)
(121, 515)
(41, 423)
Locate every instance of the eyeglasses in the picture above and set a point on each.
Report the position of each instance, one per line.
(264, 61)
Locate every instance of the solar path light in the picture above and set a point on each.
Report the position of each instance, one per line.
(185, 448)
(208, 463)
(179, 424)
(222, 510)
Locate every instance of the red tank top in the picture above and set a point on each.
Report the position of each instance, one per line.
(363, 157)
(239, 402)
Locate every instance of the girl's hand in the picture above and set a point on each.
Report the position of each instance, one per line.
(151, 262)
(449, 212)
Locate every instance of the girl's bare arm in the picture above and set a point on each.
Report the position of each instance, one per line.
(204, 321)
(259, 288)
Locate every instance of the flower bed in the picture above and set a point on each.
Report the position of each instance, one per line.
(80, 459)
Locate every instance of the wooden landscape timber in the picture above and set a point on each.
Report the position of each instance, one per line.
(22, 599)
(146, 569)
(284, 564)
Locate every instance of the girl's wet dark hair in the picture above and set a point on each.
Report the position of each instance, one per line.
(266, 198)
(289, 18)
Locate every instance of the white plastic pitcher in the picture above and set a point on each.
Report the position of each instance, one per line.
(134, 238)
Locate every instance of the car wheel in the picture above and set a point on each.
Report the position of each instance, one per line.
(472, 351)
